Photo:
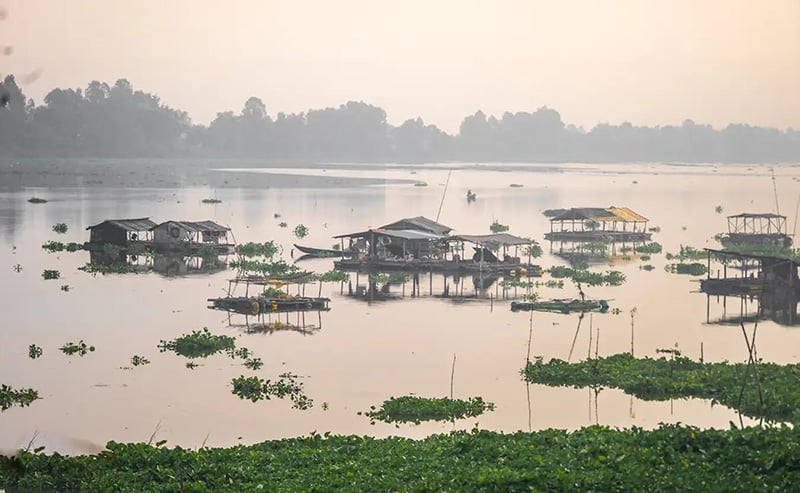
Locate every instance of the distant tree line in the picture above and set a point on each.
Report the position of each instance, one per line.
(105, 120)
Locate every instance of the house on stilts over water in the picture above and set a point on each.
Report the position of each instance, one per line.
(599, 224)
(169, 236)
(757, 229)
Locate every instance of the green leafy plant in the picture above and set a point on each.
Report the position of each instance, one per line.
(65, 288)
(253, 363)
(80, 348)
(583, 276)
(300, 231)
(283, 224)
(267, 249)
(692, 269)
(256, 389)
(137, 360)
(649, 248)
(9, 397)
(718, 209)
(687, 253)
(413, 409)
(49, 274)
(211, 201)
(34, 351)
(496, 227)
(198, 344)
(60, 228)
(334, 275)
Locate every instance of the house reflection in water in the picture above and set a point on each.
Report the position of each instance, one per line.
(761, 287)
(168, 265)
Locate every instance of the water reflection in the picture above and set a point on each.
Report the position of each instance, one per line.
(396, 286)
(578, 252)
(168, 265)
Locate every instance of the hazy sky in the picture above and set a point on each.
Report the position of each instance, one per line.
(645, 61)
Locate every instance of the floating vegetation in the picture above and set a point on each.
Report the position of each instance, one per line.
(496, 227)
(420, 184)
(687, 253)
(300, 231)
(80, 348)
(10, 397)
(49, 274)
(654, 229)
(191, 365)
(692, 269)
(413, 409)
(95, 268)
(283, 224)
(211, 201)
(276, 215)
(534, 251)
(645, 258)
(594, 458)
(267, 249)
(34, 351)
(647, 267)
(253, 363)
(679, 377)
(609, 278)
(257, 389)
(37, 200)
(60, 228)
(653, 247)
(65, 288)
(516, 283)
(516, 185)
(198, 344)
(273, 268)
(390, 278)
(718, 209)
(57, 246)
(137, 360)
(333, 275)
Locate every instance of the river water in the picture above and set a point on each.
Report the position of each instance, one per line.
(361, 352)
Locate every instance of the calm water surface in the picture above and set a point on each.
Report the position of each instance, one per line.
(360, 352)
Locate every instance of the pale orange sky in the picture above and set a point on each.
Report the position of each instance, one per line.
(650, 62)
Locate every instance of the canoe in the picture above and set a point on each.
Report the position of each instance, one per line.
(321, 252)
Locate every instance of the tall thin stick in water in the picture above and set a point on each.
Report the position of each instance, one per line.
(443, 195)
(452, 375)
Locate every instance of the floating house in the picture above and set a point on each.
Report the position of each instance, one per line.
(419, 223)
(183, 235)
(757, 229)
(122, 231)
(599, 224)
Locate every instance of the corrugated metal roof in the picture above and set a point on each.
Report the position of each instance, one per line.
(404, 234)
(502, 239)
(197, 226)
(767, 215)
(419, 223)
(138, 224)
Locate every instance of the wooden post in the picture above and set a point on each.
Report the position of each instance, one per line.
(701, 351)
(452, 375)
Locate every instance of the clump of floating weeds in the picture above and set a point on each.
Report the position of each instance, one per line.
(267, 249)
(653, 247)
(300, 231)
(21, 397)
(654, 229)
(647, 267)
(198, 344)
(687, 253)
(60, 228)
(333, 275)
(253, 363)
(211, 201)
(413, 409)
(692, 269)
(80, 348)
(65, 288)
(57, 246)
(645, 258)
(191, 365)
(256, 389)
(34, 351)
(496, 227)
(718, 209)
(137, 360)
(49, 274)
(583, 276)
(283, 224)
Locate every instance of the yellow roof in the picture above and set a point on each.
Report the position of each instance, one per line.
(625, 214)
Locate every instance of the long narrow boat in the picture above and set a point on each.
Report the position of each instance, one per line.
(561, 306)
(322, 252)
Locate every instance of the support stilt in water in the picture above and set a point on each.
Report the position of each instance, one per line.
(452, 375)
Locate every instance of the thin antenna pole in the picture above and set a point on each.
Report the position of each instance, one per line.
(452, 375)
(775, 190)
(443, 195)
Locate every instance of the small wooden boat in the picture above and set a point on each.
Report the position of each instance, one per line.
(561, 306)
(322, 252)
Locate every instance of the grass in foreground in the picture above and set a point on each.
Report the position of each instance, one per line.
(670, 458)
(663, 379)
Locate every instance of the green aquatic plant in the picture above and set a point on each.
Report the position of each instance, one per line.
(60, 228)
(692, 269)
(654, 229)
(413, 409)
(718, 209)
(283, 224)
(211, 201)
(137, 360)
(253, 363)
(267, 249)
(687, 253)
(57, 246)
(583, 276)
(647, 267)
(300, 231)
(496, 227)
(65, 288)
(256, 389)
(270, 268)
(50, 274)
(533, 251)
(95, 268)
(645, 258)
(679, 377)
(34, 351)
(333, 275)
(191, 365)
(80, 348)
(10, 397)
(198, 344)
(653, 247)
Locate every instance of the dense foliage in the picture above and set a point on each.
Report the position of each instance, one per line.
(198, 344)
(256, 389)
(60, 228)
(21, 397)
(730, 384)
(267, 249)
(670, 458)
(80, 348)
(583, 276)
(104, 120)
(413, 409)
